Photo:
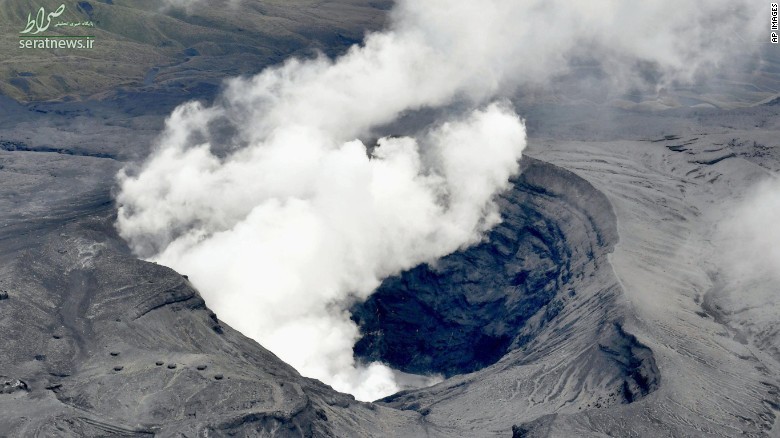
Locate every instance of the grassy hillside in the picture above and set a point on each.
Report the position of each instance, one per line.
(139, 43)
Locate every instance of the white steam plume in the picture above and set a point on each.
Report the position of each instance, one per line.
(279, 234)
(746, 256)
(286, 218)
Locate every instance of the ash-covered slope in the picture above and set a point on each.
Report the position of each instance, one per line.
(98, 343)
(672, 190)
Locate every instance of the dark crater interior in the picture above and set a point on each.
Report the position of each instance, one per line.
(471, 308)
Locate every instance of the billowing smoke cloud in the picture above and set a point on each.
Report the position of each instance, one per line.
(281, 217)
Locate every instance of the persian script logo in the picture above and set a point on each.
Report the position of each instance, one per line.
(37, 23)
(29, 38)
